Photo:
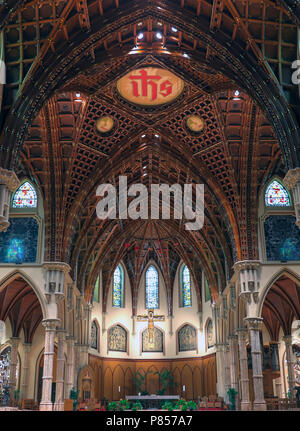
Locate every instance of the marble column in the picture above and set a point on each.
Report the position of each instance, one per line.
(256, 354)
(220, 370)
(50, 329)
(290, 364)
(70, 380)
(13, 365)
(233, 361)
(60, 370)
(244, 378)
(227, 369)
(25, 370)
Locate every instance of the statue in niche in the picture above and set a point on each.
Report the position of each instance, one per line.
(210, 334)
(117, 339)
(152, 340)
(187, 338)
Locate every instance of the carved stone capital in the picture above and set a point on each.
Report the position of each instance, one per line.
(50, 324)
(242, 333)
(10, 179)
(292, 178)
(254, 322)
(249, 279)
(287, 340)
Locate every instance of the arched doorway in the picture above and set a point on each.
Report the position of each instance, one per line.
(21, 312)
(281, 307)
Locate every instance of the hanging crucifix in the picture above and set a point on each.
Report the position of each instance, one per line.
(151, 318)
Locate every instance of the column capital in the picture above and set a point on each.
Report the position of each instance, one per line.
(253, 322)
(242, 332)
(15, 341)
(50, 324)
(10, 179)
(56, 266)
(232, 338)
(287, 339)
(291, 178)
(246, 264)
(27, 347)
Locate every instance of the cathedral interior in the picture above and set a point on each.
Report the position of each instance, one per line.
(172, 92)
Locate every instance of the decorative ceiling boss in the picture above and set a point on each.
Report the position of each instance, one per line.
(150, 86)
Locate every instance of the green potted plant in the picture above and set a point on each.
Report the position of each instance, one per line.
(136, 406)
(112, 406)
(167, 381)
(191, 405)
(16, 397)
(74, 397)
(232, 393)
(139, 380)
(168, 405)
(180, 403)
(123, 405)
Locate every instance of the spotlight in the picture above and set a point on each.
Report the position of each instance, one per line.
(140, 36)
(158, 35)
(174, 29)
(77, 94)
(236, 93)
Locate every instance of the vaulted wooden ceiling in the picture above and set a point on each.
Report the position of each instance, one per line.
(21, 306)
(57, 49)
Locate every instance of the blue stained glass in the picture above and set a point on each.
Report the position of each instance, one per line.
(276, 195)
(151, 288)
(19, 243)
(186, 287)
(282, 238)
(289, 250)
(118, 287)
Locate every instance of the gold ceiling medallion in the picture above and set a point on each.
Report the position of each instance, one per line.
(150, 86)
(195, 123)
(105, 124)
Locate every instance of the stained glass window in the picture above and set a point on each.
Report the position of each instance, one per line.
(151, 288)
(207, 290)
(96, 291)
(19, 243)
(186, 287)
(25, 197)
(94, 335)
(282, 238)
(118, 287)
(276, 195)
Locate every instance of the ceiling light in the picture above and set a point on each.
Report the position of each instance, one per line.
(140, 36)
(143, 136)
(77, 94)
(158, 35)
(174, 29)
(157, 136)
(185, 55)
(236, 93)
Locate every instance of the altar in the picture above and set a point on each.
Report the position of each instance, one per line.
(152, 401)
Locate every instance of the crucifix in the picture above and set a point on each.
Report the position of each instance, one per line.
(151, 318)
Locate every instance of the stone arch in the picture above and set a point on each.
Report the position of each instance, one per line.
(264, 291)
(20, 273)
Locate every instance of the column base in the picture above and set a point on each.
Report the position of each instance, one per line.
(46, 407)
(259, 406)
(59, 407)
(245, 406)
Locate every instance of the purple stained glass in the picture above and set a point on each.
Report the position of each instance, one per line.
(276, 195)
(186, 287)
(151, 288)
